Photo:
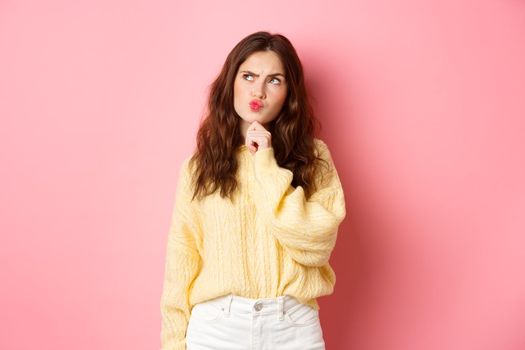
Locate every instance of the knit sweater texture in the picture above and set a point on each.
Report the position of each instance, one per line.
(268, 241)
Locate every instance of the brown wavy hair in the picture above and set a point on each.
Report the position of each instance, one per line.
(219, 134)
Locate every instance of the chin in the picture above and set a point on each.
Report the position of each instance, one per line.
(250, 117)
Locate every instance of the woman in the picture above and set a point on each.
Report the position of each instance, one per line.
(256, 213)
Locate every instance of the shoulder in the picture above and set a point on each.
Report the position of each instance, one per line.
(326, 167)
(188, 164)
(318, 142)
(321, 148)
(187, 170)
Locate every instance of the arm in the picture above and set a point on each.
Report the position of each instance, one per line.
(307, 229)
(181, 267)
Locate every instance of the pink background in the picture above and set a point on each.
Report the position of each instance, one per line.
(422, 105)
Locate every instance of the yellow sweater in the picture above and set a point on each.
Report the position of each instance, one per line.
(268, 242)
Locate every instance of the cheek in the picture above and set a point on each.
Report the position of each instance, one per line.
(239, 97)
(281, 96)
(235, 87)
(278, 102)
(236, 92)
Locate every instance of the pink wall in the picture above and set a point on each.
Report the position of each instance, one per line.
(422, 104)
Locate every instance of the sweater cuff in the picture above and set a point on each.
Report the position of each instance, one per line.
(265, 159)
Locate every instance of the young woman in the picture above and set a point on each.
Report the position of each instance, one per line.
(256, 214)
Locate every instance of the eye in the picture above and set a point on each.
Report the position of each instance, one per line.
(278, 81)
(246, 75)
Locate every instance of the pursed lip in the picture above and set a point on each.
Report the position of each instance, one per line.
(256, 104)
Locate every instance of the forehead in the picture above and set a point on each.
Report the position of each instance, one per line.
(263, 61)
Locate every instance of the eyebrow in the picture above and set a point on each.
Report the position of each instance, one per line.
(270, 75)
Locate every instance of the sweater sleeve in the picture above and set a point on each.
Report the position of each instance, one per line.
(181, 267)
(306, 229)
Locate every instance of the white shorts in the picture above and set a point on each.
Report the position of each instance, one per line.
(233, 322)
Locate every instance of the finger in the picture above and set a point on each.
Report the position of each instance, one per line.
(258, 135)
(260, 131)
(255, 125)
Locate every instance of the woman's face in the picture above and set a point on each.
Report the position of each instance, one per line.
(261, 78)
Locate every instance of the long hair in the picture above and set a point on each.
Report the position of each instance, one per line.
(219, 134)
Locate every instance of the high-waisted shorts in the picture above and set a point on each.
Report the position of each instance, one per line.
(232, 322)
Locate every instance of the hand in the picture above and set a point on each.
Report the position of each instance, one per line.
(257, 137)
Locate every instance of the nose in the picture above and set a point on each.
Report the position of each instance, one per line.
(258, 89)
